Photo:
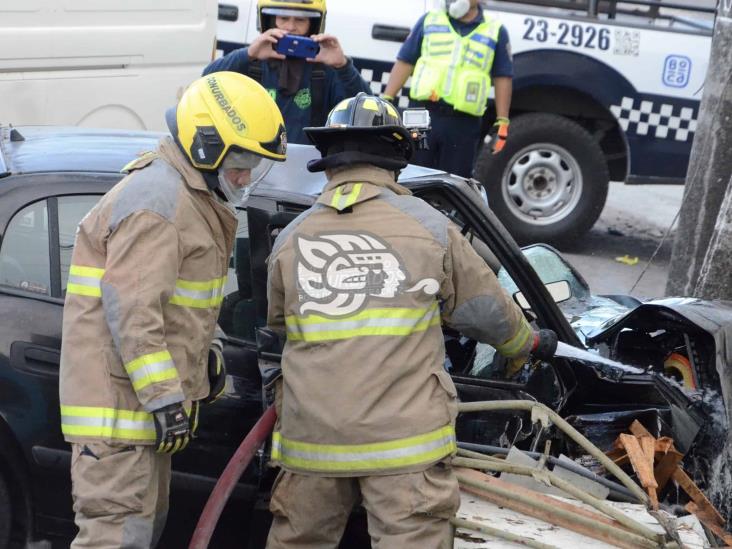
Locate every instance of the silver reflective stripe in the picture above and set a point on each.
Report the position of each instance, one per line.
(199, 294)
(149, 371)
(85, 281)
(345, 457)
(108, 422)
(457, 52)
(365, 322)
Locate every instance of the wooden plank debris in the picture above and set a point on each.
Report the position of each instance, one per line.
(656, 461)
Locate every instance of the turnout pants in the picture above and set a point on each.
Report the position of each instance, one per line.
(405, 511)
(453, 142)
(120, 495)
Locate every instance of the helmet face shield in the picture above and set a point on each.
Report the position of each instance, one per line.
(239, 173)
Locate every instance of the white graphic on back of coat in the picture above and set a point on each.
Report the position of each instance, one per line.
(338, 274)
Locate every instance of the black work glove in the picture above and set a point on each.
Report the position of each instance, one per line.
(216, 372)
(172, 428)
(545, 344)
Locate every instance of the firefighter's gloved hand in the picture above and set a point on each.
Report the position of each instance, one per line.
(499, 135)
(216, 371)
(172, 428)
(545, 344)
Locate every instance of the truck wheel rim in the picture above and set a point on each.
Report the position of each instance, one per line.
(542, 184)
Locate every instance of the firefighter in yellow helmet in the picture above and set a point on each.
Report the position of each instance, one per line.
(304, 89)
(359, 285)
(145, 287)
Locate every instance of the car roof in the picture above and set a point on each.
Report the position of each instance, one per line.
(70, 149)
(43, 149)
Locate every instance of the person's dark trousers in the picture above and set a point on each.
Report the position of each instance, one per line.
(453, 141)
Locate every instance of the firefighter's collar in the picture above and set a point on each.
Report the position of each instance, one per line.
(169, 151)
(358, 184)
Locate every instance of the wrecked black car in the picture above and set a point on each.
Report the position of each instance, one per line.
(675, 354)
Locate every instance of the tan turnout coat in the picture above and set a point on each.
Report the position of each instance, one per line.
(360, 283)
(144, 291)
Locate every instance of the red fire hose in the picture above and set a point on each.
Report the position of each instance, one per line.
(228, 479)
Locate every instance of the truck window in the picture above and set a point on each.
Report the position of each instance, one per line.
(655, 12)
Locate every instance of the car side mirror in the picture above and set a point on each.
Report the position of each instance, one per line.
(560, 291)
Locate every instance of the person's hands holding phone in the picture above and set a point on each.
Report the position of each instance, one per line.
(331, 53)
(263, 46)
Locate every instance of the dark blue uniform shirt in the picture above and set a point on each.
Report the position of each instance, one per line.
(411, 50)
(296, 109)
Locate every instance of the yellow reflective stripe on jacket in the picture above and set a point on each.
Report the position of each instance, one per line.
(199, 294)
(371, 322)
(393, 454)
(89, 421)
(152, 368)
(514, 345)
(85, 281)
(342, 201)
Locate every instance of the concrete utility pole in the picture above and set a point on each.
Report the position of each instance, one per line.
(701, 261)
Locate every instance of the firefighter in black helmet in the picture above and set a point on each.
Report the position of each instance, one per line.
(359, 285)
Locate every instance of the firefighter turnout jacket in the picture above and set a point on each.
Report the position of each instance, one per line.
(360, 283)
(144, 290)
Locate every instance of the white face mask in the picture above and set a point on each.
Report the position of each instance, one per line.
(457, 8)
(233, 172)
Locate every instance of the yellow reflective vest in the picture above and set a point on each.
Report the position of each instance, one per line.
(455, 68)
(144, 289)
(360, 284)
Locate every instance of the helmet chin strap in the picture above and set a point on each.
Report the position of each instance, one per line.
(458, 8)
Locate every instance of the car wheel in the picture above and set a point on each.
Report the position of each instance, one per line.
(550, 182)
(6, 516)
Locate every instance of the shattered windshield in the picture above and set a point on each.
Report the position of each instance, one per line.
(584, 311)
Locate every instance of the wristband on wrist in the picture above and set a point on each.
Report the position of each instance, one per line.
(502, 121)
(387, 97)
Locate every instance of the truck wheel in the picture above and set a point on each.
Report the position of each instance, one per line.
(6, 516)
(550, 182)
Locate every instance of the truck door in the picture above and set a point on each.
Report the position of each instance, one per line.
(372, 33)
(237, 25)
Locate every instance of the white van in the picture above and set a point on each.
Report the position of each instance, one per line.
(97, 63)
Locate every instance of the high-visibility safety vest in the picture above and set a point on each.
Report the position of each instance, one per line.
(455, 68)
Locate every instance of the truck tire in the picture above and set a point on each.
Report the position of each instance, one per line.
(550, 182)
(6, 515)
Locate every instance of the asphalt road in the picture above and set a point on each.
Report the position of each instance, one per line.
(633, 223)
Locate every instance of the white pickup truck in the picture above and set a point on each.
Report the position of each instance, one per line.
(603, 90)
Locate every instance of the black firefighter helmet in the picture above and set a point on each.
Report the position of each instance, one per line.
(362, 129)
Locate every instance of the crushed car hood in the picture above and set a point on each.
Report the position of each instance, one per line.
(713, 317)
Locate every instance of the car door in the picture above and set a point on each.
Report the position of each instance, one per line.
(35, 254)
(39, 225)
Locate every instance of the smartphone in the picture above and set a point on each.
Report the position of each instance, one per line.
(297, 46)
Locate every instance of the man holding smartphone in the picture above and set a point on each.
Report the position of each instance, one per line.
(305, 88)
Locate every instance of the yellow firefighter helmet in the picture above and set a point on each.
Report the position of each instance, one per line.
(227, 112)
(267, 10)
